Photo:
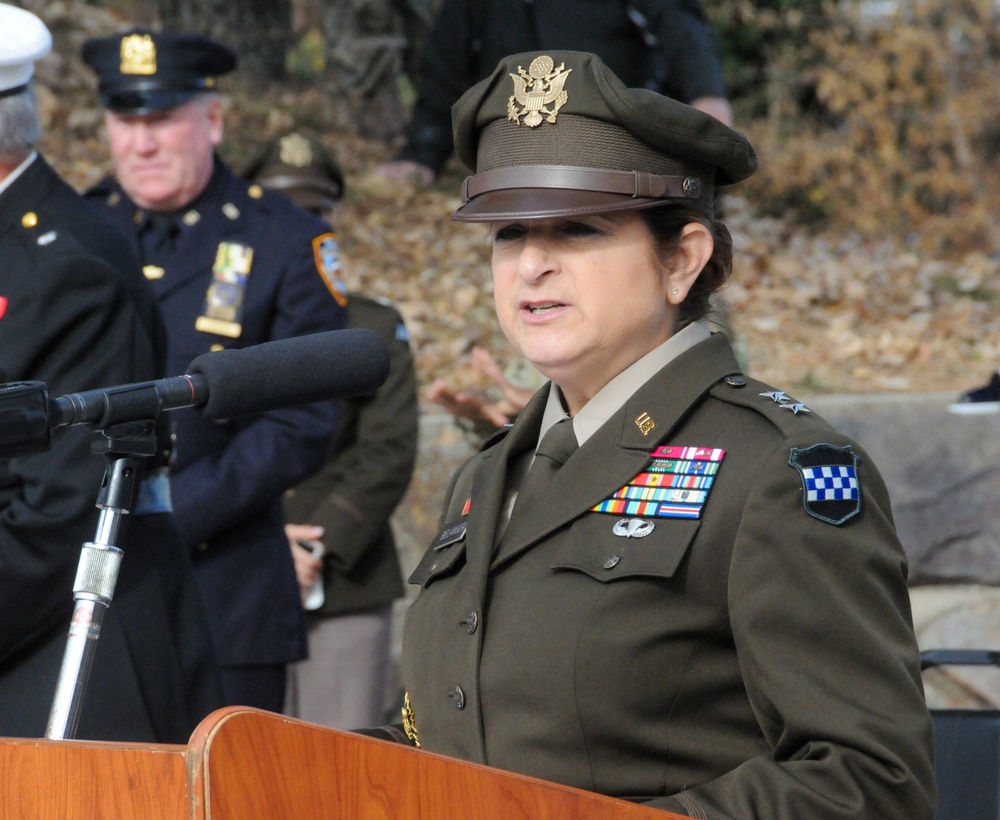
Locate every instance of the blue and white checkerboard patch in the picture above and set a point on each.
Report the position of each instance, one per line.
(830, 488)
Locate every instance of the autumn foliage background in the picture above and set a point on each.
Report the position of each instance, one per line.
(865, 242)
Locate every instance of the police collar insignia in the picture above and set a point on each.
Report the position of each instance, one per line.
(830, 488)
(674, 484)
(536, 88)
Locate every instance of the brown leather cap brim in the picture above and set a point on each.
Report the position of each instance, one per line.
(546, 203)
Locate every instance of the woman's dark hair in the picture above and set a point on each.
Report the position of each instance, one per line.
(665, 223)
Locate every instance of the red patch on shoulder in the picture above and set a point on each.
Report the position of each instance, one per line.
(3, 306)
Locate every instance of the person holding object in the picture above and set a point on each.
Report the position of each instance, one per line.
(231, 266)
(76, 314)
(666, 582)
(340, 531)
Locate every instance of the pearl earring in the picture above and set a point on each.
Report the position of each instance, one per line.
(674, 292)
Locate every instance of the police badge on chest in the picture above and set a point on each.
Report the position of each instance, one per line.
(222, 313)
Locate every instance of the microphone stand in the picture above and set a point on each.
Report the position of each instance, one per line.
(126, 446)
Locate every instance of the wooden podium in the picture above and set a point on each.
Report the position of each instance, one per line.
(244, 763)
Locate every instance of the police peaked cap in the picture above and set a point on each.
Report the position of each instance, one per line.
(141, 71)
(556, 133)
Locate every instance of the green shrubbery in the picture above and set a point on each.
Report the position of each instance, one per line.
(885, 124)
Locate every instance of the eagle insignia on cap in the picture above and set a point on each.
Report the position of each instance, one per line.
(138, 53)
(536, 89)
(294, 150)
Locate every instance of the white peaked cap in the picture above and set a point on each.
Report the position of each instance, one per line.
(23, 39)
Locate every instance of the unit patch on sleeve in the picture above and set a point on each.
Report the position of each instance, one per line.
(326, 253)
(674, 484)
(830, 488)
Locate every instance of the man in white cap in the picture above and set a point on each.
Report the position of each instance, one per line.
(76, 313)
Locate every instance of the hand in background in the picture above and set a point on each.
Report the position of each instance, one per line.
(475, 406)
(515, 397)
(307, 568)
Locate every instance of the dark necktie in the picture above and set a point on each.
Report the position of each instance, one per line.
(158, 238)
(556, 446)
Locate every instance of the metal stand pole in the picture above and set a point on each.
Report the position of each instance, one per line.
(97, 571)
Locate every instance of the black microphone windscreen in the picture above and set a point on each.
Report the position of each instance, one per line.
(338, 364)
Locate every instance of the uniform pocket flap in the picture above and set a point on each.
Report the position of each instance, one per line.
(608, 548)
(436, 562)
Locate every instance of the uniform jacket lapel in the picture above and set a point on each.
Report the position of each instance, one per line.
(619, 449)
(490, 480)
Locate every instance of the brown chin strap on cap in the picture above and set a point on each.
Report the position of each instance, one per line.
(636, 184)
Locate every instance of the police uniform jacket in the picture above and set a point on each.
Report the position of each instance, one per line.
(358, 489)
(76, 314)
(674, 51)
(229, 477)
(757, 661)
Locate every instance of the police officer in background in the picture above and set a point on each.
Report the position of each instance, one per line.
(231, 266)
(76, 314)
(346, 507)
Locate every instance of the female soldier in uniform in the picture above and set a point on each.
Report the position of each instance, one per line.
(704, 608)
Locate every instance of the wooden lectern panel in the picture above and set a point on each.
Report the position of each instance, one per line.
(245, 764)
(249, 763)
(82, 780)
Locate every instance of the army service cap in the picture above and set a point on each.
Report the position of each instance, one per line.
(142, 71)
(300, 167)
(556, 133)
(23, 40)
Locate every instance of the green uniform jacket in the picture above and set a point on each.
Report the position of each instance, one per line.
(355, 493)
(756, 662)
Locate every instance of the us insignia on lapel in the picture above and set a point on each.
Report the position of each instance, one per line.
(674, 484)
(830, 488)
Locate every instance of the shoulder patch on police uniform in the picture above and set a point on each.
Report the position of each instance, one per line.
(831, 490)
(327, 255)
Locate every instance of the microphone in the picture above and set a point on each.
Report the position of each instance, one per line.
(337, 364)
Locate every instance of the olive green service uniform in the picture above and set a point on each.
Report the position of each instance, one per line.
(705, 608)
(757, 661)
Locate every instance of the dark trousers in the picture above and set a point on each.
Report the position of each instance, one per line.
(262, 687)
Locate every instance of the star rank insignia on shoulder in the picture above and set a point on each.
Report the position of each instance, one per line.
(831, 490)
(786, 402)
